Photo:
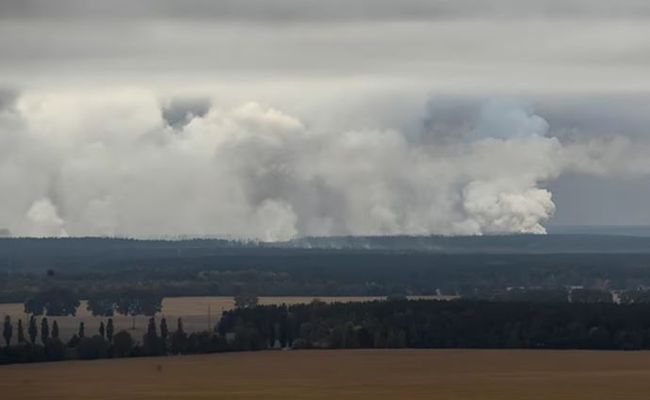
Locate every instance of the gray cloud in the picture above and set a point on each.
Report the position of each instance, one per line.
(7, 99)
(110, 164)
(397, 117)
(314, 10)
(584, 199)
(465, 55)
(597, 115)
(570, 116)
(178, 112)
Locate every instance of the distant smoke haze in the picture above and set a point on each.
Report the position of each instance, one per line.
(118, 164)
(274, 119)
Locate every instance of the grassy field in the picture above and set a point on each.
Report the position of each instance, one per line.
(198, 313)
(342, 374)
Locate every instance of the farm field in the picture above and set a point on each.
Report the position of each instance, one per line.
(341, 374)
(198, 313)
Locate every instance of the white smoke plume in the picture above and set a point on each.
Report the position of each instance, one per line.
(110, 164)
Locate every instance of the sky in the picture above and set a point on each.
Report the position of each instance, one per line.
(274, 119)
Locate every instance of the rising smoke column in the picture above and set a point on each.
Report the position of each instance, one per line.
(114, 164)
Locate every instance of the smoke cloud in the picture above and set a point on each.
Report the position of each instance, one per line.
(122, 162)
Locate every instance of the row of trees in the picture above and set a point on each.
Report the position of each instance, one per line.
(158, 340)
(441, 324)
(565, 295)
(105, 330)
(142, 301)
(379, 324)
(26, 348)
(568, 295)
(301, 272)
(61, 302)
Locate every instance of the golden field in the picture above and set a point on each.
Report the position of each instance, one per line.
(341, 374)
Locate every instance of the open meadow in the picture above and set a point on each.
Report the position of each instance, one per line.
(341, 374)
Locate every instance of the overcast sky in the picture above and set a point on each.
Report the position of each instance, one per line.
(461, 45)
(439, 75)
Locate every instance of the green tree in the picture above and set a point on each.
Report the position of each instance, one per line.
(635, 296)
(56, 301)
(55, 330)
(139, 302)
(246, 300)
(151, 342)
(164, 332)
(91, 348)
(102, 304)
(102, 329)
(74, 341)
(179, 338)
(122, 344)
(34, 306)
(54, 349)
(7, 330)
(591, 296)
(21, 332)
(32, 330)
(45, 330)
(109, 330)
(151, 328)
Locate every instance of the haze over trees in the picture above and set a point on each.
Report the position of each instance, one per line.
(130, 276)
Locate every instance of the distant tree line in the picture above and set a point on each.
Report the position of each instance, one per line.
(143, 300)
(209, 270)
(128, 301)
(397, 323)
(442, 324)
(42, 341)
(565, 295)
